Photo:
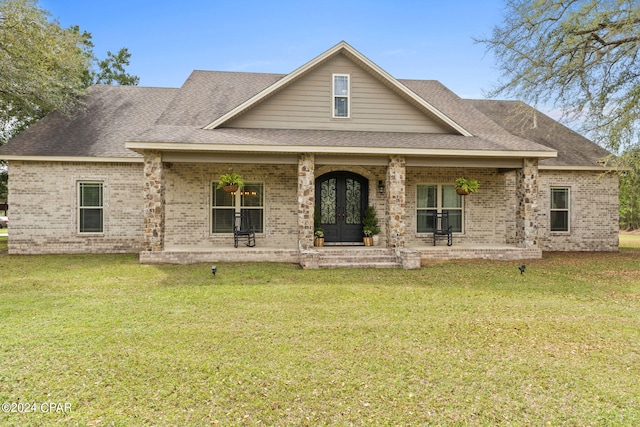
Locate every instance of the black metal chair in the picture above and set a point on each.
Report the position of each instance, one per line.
(441, 227)
(242, 229)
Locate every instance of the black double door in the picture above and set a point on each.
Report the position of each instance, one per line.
(341, 198)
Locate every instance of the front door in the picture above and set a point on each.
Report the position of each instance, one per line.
(341, 198)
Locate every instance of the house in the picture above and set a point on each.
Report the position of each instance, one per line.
(136, 171)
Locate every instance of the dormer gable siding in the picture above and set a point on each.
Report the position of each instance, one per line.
(307, 104)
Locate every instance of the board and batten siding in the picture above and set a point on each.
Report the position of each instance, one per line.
(307, 104)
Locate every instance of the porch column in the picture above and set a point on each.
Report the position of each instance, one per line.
(154, 186)
(396, 209)
(527, 209)
(306, 200)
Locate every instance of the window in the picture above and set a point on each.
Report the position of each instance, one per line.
(90, 207)
(341, 95)
(434, 198)
(224, 205)
(559, 209)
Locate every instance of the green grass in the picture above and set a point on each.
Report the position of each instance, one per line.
(629, 241)
(458, 343)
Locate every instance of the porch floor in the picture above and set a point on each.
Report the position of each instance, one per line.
(374, 256)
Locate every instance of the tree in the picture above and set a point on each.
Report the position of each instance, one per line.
(41, 64)
(45, 67)
(112, 70)
(580, 56)
(629, 185)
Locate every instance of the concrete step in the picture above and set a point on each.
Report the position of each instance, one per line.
(357, 257)
(360, 265)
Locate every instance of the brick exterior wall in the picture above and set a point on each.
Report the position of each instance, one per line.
(489, 214)
(594, 217)
(188, 204)
(43, 207)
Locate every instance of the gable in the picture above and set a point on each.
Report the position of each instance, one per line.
(307, 104)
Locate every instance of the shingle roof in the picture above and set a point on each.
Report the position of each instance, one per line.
(110, 116)
(117, 114)
(207, 95)
(522, 120)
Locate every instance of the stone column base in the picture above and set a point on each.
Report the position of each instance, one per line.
(410, 259)
(310, 259)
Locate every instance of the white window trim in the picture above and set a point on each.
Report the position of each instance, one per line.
(79, 208)
(439, 208)
(237, 206)
(334, 96)
(567, 209)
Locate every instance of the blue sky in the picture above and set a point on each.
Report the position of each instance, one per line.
(413, 39)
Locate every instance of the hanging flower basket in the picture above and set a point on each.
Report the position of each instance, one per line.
(230, 182)
(466, 186)
(230, 188)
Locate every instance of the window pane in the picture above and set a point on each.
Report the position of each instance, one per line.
(222, 220)
(255, 219)
(425, 221)
(252, 195)
(90, 194)
(222, 198)
(341, 85)
(90, 220)
(329, 200)
(90, 214)
(450, 199)
(422, 196)
(353, 201)
(559, 221)
(455, 220)
(559, 198)
(427, 196)
(341, 107)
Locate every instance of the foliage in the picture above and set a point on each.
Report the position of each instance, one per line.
(111, 70)
(630, 189)
(46, 67)
(317, 223)
(230, 178)
(577, 55)
(43, 65)
(467, 185)
(456, 343)
(370, 226)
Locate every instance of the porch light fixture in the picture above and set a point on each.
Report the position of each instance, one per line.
(380, 187)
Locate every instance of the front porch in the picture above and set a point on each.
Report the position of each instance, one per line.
(178, 228)
(340, 256)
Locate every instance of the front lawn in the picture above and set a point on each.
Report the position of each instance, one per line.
(629, 240)
(457, 343)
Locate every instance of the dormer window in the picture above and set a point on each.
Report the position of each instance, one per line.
(341, 95)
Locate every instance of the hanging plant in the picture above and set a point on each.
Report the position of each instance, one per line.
(230, 182)
(466, 186)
